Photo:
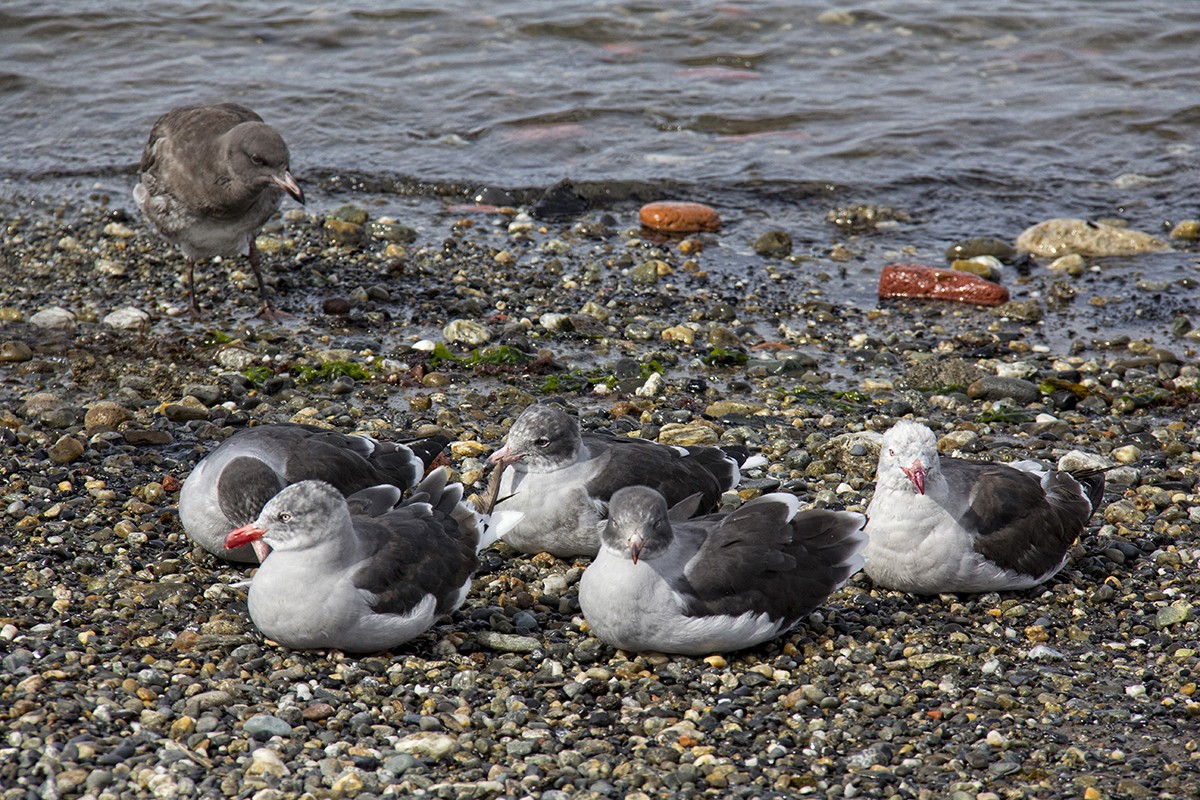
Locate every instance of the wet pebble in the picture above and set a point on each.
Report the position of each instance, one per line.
(54, 317)
(994, 387)
(127, 318)
(15, 351)
(467, 332)
(774, 244)
(1057, 237)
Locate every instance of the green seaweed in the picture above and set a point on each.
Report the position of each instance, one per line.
(721, 357)
(650, 367)
(576, 381)
(329, 371)
(828, 399)
(258, 375)
(492, 355)
(215, 338)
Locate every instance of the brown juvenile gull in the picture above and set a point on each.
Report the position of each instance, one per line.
(211, 176)
(358, 574)
(714, 583)
(230, 486)
(942, 524)
(562, 478)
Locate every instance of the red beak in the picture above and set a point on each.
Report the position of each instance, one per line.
(916, 474)
(248, 534)
(243, 535)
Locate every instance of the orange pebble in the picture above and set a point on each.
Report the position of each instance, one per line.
(915, 280)
(679, 217)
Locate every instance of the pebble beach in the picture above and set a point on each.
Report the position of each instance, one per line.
(130, 667)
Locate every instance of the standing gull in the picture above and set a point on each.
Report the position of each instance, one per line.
(720, 582)
(231, 484)
(562, 478)
(211, 176)
(357, 574)
(942, 524)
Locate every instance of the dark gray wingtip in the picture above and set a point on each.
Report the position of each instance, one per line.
(685, 508)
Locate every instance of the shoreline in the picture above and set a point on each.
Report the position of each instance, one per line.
(127, 650)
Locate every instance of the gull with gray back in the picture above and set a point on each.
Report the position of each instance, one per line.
(562, 478)
(359, 574)
(943, 524)
(667, 583)
(230, 486)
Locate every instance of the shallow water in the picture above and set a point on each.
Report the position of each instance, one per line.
(973, 120)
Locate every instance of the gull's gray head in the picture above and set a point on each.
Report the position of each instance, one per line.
(300, 516)
(544, 438)
(259, 158)
(638, 526)
(907, 456)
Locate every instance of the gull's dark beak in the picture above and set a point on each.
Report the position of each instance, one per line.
(636, 543)
(289, 185)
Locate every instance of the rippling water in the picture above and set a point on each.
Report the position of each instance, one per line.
(975, 116)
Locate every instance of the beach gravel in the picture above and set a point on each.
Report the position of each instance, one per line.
(129, 666)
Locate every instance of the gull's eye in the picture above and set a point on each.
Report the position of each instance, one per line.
(891, 452)
(258, 161)
(286, 516)
(542, 441)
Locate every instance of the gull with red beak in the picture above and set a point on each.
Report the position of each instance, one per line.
(363, 574)
(943, 524)
(561, 478)
(666, 582)
(210, 178)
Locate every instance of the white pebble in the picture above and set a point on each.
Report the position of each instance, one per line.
(554, 584)
(1017, 369)
(53, 317)
(127, 318)
(467, 331)
(1129, 454)
(652, 387)
(236, 358)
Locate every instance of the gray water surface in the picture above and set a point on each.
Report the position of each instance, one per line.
(975, 117)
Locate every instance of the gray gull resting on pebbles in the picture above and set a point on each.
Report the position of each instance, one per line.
(229, 487)
(562, 479)
(210, 177)
(357, 574)
(715, 583)
(942, 524)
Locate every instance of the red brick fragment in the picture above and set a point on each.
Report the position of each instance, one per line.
(916, 280)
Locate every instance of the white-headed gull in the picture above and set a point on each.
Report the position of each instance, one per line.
(562, 478)
(943, 524)
(231, 484)
(357, 574)
(714, 583)
(210, 177)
